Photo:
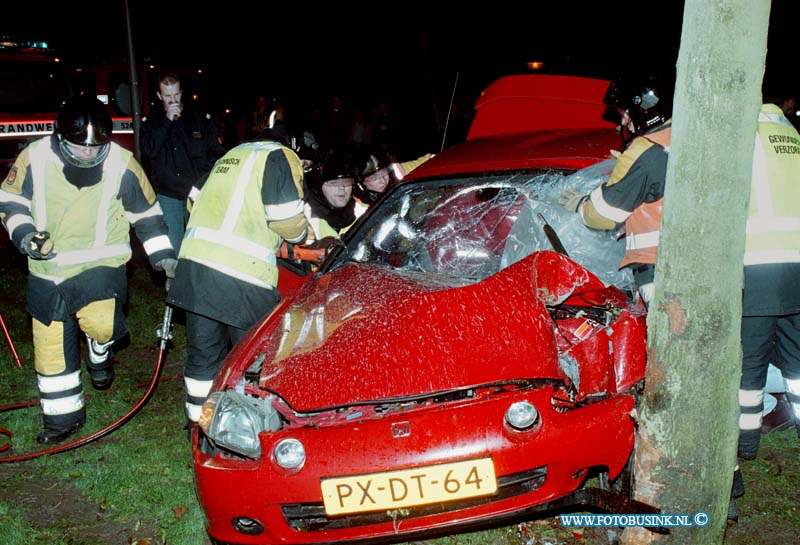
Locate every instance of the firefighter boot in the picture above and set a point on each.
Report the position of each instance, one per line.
(100, 363)
(51, 435)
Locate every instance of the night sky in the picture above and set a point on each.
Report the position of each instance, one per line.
(303, 56)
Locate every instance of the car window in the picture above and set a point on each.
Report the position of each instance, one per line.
(470, 228)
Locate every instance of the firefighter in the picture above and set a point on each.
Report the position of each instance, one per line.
(771, 303)
(68, 204)
(634, 193)
(330, 205)
(376, 182)
(227, 275)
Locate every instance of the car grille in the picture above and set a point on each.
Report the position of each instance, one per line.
(311, 517)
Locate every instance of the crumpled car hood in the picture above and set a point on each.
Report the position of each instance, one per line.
(364, 333)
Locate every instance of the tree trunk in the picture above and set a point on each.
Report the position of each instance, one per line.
(686, 443)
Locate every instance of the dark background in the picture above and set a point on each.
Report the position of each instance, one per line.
(302, 55)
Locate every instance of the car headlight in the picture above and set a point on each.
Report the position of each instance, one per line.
(522, 415)
(290, 454)
(233, 421)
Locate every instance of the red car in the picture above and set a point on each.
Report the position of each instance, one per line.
(445, 368)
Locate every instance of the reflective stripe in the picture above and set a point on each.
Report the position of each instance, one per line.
(230, 240)
(151, 212)
(751, 398)
(278, 212)
(793, 386)
(98, 352)
(774, 118)
(197, 388)
(76, 257)
(61, 383)
(5, 196)
(749, 421)
(65, 405)
(40, 154)
(642, 240)
(193, 194)
(13, 222)
(606, 210)
(193, 411)
(156, 244)
(237, 199)
(230, 271)
(763, 257)
(398, 171)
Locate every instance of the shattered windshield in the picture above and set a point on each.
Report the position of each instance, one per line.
(469, 228)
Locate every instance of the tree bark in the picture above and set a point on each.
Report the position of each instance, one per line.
(686, 440)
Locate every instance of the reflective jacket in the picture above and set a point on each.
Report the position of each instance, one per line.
(634, 194)
(89, 226)
(251, 201)
(773, 222)
(227, 230)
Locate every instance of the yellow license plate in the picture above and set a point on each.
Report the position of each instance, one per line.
(408, 487)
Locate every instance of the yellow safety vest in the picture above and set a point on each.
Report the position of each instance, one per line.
(773, 223)
(87, 225)
(228, 229)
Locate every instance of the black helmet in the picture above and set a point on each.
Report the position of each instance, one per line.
(339, 165)
(647, 101)
(83, 121)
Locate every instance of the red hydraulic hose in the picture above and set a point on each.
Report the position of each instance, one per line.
(164, 333)
(10, 343)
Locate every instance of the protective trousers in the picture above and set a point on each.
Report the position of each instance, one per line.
(763, 338)
(58, 362)
(209, 342)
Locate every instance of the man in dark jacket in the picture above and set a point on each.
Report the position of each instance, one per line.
(182, 146)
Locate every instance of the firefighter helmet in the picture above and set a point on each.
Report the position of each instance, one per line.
(83, 121)
(646, 100)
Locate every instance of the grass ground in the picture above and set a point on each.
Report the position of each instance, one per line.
(136, 486)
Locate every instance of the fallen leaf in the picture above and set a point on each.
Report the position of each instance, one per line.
(179, 511)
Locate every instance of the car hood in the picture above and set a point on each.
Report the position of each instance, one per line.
(363, 333)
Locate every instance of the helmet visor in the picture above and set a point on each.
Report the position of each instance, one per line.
(83, 156)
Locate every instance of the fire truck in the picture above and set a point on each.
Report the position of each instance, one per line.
(33, 83)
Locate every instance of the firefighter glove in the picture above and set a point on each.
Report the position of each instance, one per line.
(326, 243)
(167, 265)
(571, 199)
(38, 245)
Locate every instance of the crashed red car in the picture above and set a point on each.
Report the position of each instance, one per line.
(445, 368)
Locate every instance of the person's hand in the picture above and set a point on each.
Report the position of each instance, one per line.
(38, 245)
(571, 199)
(174, 111)
(326, 243)
(168, 265)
